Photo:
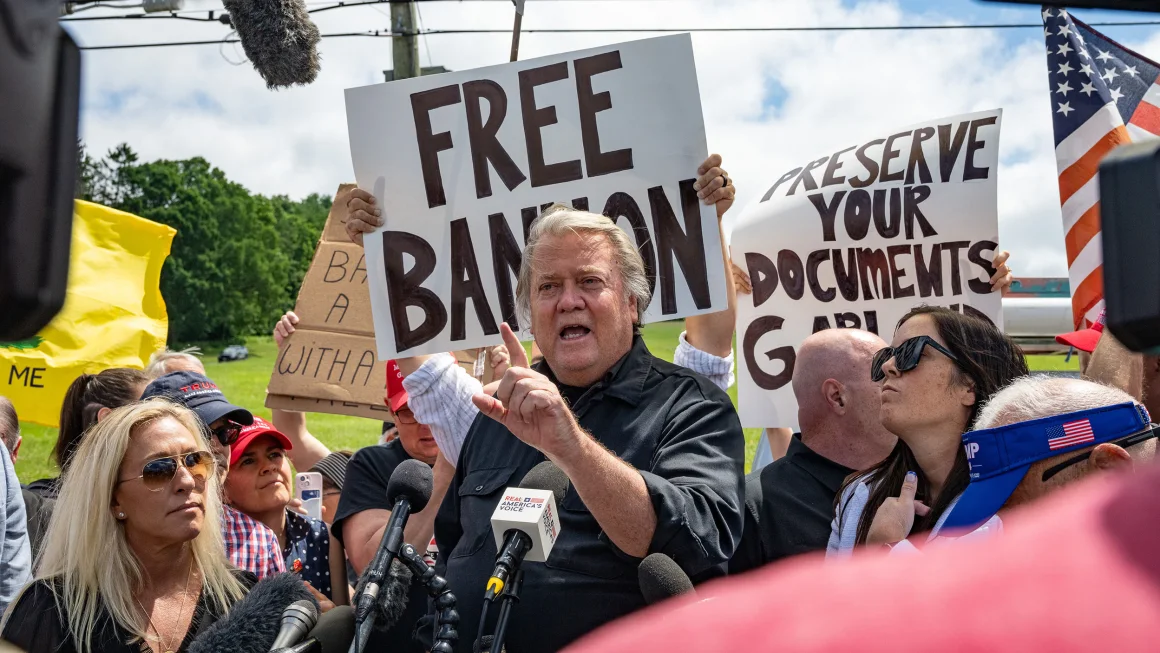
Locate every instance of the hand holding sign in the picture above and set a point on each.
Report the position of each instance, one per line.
(713, 185)
(530, 405)
(364, 216)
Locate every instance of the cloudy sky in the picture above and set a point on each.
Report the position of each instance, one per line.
(770, 100)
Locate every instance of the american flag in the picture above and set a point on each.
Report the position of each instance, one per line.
(1071, 433)
(1102, 95)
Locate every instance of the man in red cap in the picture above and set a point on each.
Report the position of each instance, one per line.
(363, 511)
(1084, 341)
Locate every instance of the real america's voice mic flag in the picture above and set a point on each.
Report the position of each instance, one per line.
(1102, 95)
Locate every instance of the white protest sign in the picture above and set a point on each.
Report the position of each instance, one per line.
(859, 237)
(461, 163)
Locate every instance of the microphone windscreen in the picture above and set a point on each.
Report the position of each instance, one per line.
(546, 476)
(411, 479)
(335, 630)
(279, 38)
(394, 596)
(253, 623)
(661, 578)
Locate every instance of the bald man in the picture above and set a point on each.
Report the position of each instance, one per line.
(790, 503)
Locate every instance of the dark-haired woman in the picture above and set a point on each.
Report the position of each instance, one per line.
(940, 368)
(89, 398)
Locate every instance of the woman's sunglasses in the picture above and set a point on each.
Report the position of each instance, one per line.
(906, 356)
(157, 473)
(228, 433)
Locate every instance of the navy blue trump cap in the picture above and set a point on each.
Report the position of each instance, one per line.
(999, 457)
(199, 394)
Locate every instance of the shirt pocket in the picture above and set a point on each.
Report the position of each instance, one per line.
(582, 547)
(478, 496)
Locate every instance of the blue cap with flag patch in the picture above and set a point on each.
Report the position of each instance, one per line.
(1000, 457)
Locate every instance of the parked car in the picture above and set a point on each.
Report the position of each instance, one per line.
(234, 353)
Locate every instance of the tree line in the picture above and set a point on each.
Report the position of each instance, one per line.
(238, 258)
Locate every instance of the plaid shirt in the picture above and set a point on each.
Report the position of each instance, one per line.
(250, 545)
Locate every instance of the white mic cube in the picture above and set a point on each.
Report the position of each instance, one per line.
(532, 512)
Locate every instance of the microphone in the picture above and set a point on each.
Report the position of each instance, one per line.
(297, 620)
(279, 38)
(254, 622)
(661, 578)
(333, 634)
(409, 489)
(525, 523)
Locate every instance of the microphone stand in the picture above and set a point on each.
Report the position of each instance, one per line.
(446, 616)
(510, 596)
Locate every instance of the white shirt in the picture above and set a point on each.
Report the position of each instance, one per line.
(439, 392)
(844, 527)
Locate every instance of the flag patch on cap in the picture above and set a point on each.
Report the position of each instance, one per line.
(1070, 434)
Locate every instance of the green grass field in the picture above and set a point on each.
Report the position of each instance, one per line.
(244, 382)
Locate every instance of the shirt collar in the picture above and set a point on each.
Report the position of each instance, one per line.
(828, 472)
(625, 379)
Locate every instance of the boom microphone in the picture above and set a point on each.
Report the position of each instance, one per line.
(297, 620)
(333, 634)
(408, 490)
(253, 623)
(525, 523)
(661, 578)
(279, 38)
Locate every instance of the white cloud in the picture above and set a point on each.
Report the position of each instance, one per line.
(838, 88)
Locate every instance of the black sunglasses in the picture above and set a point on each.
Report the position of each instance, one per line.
(906, 356)
(1125, 442)
(157, 473)
(228, 433)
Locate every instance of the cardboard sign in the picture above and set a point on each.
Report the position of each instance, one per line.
(462, 163)
(329, 364)
(859, 237)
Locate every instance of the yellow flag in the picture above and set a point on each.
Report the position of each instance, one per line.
(113, 314)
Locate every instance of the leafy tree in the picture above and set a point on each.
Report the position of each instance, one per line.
(237, 260)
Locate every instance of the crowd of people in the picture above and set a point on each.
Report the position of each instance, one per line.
(172, 501)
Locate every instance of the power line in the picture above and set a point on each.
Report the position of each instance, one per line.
(638, 30)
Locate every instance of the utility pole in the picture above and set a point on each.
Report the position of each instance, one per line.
(405, 47)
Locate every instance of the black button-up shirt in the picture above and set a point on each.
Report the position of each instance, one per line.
(673, 425)
(789, 505)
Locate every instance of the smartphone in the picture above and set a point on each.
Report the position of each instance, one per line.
(308, 487)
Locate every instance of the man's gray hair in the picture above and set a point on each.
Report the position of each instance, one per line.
(160, 361)
(9, 425)
(559, 220)
(1038, 396)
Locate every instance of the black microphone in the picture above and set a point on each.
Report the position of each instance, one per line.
(661, 578)
(297, 620)
(253, 623)
(279, 38)
(516, 542)
(408, 490)
(333, 634)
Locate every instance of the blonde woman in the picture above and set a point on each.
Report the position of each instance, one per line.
(134, 559)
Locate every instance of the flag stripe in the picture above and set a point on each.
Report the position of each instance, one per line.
(1081, 172)
(1138, 134)
(1147, 117)
(1086, 294)
(1081, 202)
(1081, 233)
(1089, 258)
(1077, 144)
(1152, 95)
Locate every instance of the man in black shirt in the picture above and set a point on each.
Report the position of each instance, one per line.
(789, 503)
(653, 451)
(363, 511)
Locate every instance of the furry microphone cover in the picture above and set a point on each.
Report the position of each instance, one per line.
(279, 38)
(253, 623)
